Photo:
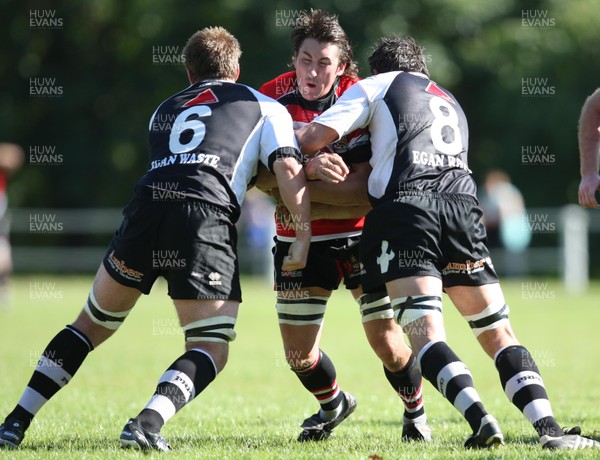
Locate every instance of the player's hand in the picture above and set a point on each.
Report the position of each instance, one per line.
(297, 255)
(588, 187)
(328, 167)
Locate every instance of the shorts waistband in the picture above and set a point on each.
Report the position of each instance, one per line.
(439, 196)
(145, 193)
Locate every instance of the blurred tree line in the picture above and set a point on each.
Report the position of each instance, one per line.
(521, 71)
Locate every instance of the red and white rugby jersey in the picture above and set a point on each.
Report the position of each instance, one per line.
(355, 147)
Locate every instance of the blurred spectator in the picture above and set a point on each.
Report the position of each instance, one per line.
(506, 221)
(11, 159)
(589, 151)
(256, 228)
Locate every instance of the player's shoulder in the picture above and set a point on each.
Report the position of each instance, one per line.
(280, 85)
(268, 106)
(346, 81)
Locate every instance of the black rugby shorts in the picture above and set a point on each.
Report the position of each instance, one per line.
(426, 234)
(328, 263)
(190, 243)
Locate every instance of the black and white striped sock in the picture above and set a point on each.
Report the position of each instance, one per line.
(523, 384)
(445, 370)
(56, 367)
(186, 378)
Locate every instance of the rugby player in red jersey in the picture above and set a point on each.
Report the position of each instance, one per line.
(324, 69)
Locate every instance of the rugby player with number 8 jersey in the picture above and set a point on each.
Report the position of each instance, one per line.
(425, 235)
(205, 145)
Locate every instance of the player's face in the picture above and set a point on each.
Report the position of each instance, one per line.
(317, 66)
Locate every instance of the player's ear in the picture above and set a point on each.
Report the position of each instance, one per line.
(340, 70)
(190, 76)
(237, 73)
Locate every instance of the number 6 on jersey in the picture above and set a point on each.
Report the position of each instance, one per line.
(183, 123)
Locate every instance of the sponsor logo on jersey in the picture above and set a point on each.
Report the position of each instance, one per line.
(468, 267)
(186, 159)
(121, 268)
(443, 161)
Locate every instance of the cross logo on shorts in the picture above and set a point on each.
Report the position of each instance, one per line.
(384, 259)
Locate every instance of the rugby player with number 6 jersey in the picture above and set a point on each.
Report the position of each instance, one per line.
(425, 235)
(205, 145)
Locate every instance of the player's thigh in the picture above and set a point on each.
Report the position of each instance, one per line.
(470, 300)
(421, 323)
(112, 295)
(109, 296)
(485, 309)
(300, 314)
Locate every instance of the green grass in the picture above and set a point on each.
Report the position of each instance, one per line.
(254, 408)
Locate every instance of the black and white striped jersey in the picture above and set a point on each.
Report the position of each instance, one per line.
(206, 141)
(419, 134)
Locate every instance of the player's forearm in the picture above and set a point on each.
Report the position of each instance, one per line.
(589, 136)
(352, 192)
(313, 137)
(293, 188)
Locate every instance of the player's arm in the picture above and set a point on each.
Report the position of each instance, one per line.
(352, 191)
(292, 185)
(279, 152)
(314, 136)
(349, 113)
(589, 151)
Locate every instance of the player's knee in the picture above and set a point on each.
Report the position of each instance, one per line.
(492, 320)
(375, 306)
(389, 352)
(99, 316)
(301, 311)
(420, 316)
(216, 329)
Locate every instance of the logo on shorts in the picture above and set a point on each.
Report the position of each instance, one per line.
(468, 267)
(122, 269)
(384, 258)
(215, 279)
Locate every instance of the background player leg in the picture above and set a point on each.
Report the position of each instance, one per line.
(399, 364)
(418, 308)
(208, 327)
(300, 314)
(105, 310)
(485, 309)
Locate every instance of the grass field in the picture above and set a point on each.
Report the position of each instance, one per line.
(254, 408)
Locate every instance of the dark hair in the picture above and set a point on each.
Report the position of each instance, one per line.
(212, 53)
(324, 28)
(397, 53)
